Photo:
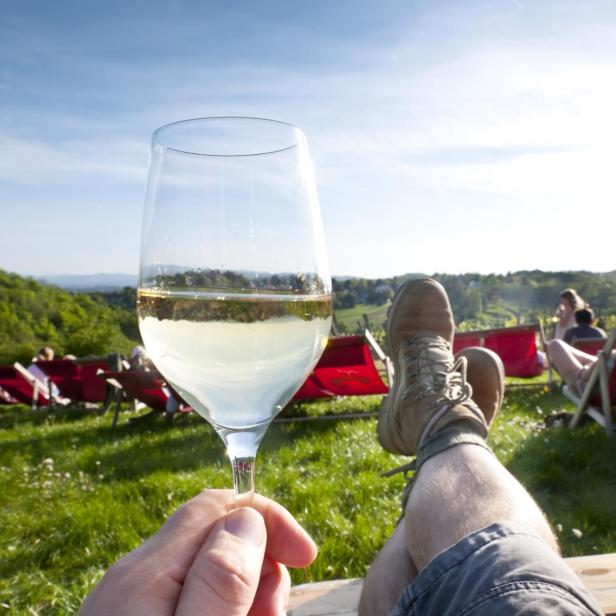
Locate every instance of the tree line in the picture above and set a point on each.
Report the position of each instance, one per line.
(34, 314)
(494, 300)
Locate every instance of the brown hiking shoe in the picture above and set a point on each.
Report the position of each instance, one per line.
(485, 374)
(419, 306)
(429, 389)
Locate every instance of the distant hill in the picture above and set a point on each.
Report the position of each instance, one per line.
(98, 316)
(33, 315)
(90, 282)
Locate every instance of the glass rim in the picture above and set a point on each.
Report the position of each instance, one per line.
(156, 135)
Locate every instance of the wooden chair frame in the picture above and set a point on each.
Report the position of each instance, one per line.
(40, 391)
(601, 375)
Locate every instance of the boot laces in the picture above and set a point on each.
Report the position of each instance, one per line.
(432, 372)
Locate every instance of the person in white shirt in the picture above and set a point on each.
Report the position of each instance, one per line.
(45, 354)
(570, 301)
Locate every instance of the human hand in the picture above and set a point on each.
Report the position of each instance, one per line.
(208, 558)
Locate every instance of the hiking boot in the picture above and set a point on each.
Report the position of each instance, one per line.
(419, 306)
(430, 389)
(485, 374)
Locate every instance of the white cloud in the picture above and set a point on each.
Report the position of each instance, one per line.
(36, 162)
(523, 122)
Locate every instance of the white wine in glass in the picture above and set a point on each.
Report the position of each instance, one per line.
(234, 298)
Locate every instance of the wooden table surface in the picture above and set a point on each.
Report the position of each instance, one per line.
(341, 597)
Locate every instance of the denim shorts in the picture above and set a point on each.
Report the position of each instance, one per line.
(500, 570)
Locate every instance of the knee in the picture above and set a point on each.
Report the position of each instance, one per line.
(555, 348)
(554, 344)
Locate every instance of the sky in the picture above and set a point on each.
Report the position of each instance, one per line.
(447, 136)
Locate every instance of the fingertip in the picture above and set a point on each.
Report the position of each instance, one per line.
(312, 551)
(287, 541)
(247, 524)
(306, 550)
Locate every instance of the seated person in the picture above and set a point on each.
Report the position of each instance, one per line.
(45, 354)
(584, 328)
(174, 403)
(6, 398)
(140, 361)
(570, 302)
(573, 365)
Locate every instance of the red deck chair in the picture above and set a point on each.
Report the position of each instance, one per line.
(516, 346)
(592, 346)
(77, 379)
(599, 397)
(136, 385)
(312, 389)
(94, 388)
(346, 368)
(22, 386)
(65, 374)
(464, 340)
(140, 385)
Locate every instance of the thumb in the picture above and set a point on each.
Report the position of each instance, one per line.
(223, 579)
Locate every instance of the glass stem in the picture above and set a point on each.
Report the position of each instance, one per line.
(244, 480)
(242, 448)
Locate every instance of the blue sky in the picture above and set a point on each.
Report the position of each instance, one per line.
(446, 136)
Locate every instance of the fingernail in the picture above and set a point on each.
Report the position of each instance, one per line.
(247, 524)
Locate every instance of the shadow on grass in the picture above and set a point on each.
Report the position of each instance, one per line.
(125, 455)
(13, 416)
(134, 450)
(572, 475)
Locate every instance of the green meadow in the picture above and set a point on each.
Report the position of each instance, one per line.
(348, 318)
(77, 494)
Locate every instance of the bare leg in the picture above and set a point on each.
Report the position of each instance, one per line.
(568, 361)
(460, 487)
(388, 576)
(459, 491)
(583, 358)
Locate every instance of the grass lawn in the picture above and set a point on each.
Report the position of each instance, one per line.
(377, 315)
(76, 494)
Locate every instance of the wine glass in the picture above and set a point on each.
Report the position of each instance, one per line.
(234, 299)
